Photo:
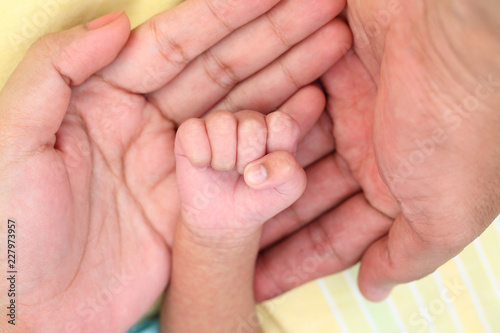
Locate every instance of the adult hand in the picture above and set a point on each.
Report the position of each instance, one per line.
(87, 163)
(415, 175)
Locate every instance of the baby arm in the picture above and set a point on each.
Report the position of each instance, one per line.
(235, 172)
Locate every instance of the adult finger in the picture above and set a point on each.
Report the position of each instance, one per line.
(329, 183)
(303, 64)
(405, 255)
(316, 139)
(331, 244)
(318, 142)
(305, 107)
(36, 97)
(212, 75)
(160, 48)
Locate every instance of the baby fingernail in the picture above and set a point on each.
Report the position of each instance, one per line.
(256, 175)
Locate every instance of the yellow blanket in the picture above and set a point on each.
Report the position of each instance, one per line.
(462, 296)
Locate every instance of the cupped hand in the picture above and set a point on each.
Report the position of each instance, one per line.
(415, 173)
(88, 169)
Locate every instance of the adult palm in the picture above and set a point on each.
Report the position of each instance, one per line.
(88, 169)
(414, 176)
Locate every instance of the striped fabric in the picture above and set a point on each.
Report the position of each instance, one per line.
(462, 296)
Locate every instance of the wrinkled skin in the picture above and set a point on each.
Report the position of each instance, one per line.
(415, 175)
(88, 165)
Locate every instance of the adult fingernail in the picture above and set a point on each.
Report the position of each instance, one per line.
(104, 20)
(379, 294)
(256, 175)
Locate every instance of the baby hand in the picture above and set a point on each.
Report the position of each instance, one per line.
(236, 171)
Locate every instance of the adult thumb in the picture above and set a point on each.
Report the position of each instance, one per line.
(36, 97)
(404, 255)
